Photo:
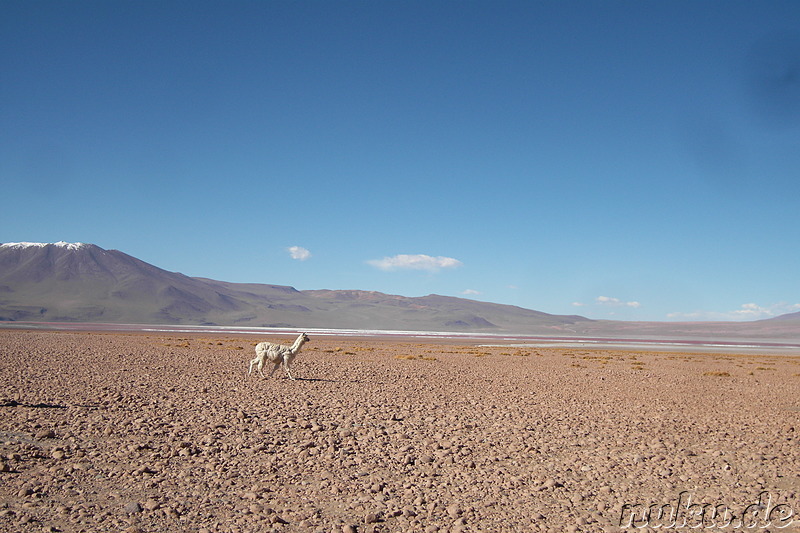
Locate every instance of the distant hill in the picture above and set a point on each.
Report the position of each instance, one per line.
(789, 317)
(75, 282)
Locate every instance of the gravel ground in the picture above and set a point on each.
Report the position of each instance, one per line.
(158, 433)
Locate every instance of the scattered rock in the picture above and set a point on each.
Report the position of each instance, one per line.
(454, 510)
(133, 508)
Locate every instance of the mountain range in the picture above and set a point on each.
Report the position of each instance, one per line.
(76, 282)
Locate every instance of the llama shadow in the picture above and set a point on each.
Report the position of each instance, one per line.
(325, 380)
(15, 403)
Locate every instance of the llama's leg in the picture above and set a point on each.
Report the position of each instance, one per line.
(258, 362)
(286, 367)
(252, 364)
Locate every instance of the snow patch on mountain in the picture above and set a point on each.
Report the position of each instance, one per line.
(60, 244)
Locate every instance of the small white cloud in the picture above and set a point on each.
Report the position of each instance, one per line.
(752, 310)
(470, 292)
(299, 253)
(616, 302)
(415, 262)
(579, 304)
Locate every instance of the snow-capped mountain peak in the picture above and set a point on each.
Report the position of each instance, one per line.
(60, 244)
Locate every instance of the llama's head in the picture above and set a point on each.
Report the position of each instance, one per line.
(304, 337)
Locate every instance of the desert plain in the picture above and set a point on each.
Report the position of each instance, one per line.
(149, 432)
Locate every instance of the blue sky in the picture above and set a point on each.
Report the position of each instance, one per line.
(627, 160)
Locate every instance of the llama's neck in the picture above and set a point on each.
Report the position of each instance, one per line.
(297, 344)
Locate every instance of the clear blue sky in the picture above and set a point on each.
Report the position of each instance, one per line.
(637, 160)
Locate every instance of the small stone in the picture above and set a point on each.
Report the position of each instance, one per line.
(45, 434)
(133, 507)
(371, 518)
(4, 467)
(454, 511)
(151, 505)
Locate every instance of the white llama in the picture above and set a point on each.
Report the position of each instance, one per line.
(277, 354)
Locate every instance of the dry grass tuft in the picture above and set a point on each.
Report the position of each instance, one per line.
(717, 373)
(415, 358)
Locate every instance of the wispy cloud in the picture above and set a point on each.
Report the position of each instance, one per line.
(608, 301)
(748, 311)
(616, 302)
(470, 292)
(299, 253)
(415, 262)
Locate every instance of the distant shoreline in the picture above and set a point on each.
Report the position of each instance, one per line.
(744, 346)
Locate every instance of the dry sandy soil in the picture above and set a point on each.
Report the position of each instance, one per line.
(157, 433)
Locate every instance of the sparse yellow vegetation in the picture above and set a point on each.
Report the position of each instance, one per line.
(717, 373)
(415, 357)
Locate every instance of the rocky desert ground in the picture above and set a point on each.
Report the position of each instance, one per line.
(159, 433)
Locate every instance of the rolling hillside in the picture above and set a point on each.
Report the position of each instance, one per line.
(66, 282)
